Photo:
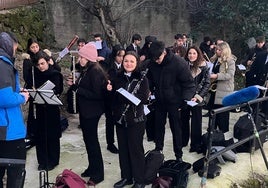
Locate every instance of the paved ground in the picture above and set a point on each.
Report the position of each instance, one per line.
(73, 156)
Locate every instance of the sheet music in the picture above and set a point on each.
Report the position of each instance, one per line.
(241, 67)
(98, 45)
(146, 109)
(129, 96)
(191, 103)
(44, 97)
(63, 52)
(48, 85)
(210, 66)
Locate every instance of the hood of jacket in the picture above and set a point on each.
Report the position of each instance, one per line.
(6, 46)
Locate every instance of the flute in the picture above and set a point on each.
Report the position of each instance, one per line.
(74, 93)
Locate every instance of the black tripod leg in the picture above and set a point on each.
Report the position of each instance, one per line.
(258, 139)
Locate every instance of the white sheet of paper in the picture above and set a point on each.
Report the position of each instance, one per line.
(129, 96)
(98, 45)
(241, 67)
(192, 103)
(48, 85)
(63, 52)
(146, 110)
(210, 66)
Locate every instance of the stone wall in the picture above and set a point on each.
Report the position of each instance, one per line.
(68, 19)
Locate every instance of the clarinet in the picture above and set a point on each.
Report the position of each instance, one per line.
(135, 90)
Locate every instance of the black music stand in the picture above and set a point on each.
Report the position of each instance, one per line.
(6, 162)
(45, 97)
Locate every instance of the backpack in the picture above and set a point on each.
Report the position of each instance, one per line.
(153, 161)
(243, 128)
(69, 179)
(177, 171)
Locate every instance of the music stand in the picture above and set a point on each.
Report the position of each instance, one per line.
(45, 97)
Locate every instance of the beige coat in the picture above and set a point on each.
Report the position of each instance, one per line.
(225, 80)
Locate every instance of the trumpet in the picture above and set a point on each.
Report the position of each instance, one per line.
(136, 88)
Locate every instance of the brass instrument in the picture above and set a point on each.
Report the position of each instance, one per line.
(136, 88)
(213, 85)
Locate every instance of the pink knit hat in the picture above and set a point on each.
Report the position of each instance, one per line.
(89, 51)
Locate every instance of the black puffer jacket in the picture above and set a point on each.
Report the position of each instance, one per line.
(171, 80)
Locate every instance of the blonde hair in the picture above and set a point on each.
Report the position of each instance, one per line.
(226, 52)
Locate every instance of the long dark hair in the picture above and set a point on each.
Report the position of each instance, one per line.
(200, 57)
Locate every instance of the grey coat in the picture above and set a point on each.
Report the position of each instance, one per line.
(225, 79)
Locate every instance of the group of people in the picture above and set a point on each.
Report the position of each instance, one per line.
(170, 76)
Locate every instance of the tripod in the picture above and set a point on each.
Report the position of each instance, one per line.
(45, 97)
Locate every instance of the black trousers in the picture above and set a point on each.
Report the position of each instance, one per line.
(131, 151)
(14, 149)
(161, 112)
(195, 129)
(48, 151)
(110, 124)
(89, 128)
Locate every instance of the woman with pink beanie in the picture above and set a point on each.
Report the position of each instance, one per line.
(89, 88)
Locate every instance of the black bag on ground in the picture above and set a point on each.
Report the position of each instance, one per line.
(153, 161)
(213, 169)
(178, 171)
(217, 140)
(243, 128)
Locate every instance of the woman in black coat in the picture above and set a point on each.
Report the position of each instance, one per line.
(89, 89)
(200, 73)
(130, 120)
(48, 129)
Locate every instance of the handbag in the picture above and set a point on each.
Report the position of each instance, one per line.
(69, 179)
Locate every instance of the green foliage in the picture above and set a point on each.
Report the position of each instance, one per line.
(254, 181)
(232, 20)
(25, 23)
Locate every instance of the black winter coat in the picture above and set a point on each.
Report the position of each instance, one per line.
(171, 80)
(48, 116)
(90, 91)
(258, 70)
(134, 114)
